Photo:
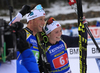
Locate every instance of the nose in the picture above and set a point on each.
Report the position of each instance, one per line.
(43, 22)
(60, 33)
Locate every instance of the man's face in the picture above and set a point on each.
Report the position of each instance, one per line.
(37, 24)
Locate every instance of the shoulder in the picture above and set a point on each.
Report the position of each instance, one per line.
(63, 43)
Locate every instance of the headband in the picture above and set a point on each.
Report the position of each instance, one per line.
(48, 28)
(35, 13)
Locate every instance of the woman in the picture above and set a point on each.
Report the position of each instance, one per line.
(56, 49)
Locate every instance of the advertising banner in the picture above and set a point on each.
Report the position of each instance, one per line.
(93, 55)
(93, 59)
(96, 34)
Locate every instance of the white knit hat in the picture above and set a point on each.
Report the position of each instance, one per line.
(48, 28)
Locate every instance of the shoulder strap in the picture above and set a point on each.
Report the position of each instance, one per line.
(28, 30)
(43, 55)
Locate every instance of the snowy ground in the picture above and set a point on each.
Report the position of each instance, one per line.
(62, 8)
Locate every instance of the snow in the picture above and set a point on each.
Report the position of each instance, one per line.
(61, 7)
(64, 8)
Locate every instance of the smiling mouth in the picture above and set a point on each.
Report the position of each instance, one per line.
(58, 37)
(41, 26)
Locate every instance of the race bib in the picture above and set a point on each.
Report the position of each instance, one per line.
(36, 54)
(60, 61)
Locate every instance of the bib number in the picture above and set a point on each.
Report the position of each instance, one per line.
(60, 61)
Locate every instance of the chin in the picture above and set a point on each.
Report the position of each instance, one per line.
(40, 30)
(58, 40)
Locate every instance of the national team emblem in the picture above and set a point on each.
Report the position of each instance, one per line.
(31, 13)
(57, 25)
(46, 28)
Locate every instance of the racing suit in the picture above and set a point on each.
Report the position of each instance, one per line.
(57, 56)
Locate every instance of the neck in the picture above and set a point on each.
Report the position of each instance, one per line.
(52, 42)
(34, 33)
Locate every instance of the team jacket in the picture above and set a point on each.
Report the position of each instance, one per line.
(57, 56)
(29, 64)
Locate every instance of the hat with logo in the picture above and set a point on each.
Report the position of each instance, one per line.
(35, 13)
(51, 25)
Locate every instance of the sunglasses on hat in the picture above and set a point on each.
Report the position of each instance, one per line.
(50, 20)
(37, 7)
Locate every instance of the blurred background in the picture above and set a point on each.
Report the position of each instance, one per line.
(67, 17)
(45, 3)
(59, 9)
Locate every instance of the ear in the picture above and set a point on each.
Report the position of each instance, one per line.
(29, 21)
(48, 35)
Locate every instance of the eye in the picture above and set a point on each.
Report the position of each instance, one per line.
(44, 19)
(60, 30)
(56, 32)
(40, 18)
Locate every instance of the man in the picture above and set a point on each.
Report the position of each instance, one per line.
(35, 23)
(35, 20)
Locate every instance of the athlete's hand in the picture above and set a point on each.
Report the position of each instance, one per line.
(47, 65)
(25, 9)
(84, 20)
(71, 2)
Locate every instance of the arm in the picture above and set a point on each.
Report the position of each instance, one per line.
(73, 41)
(21, 68)
(25, 9)
(17, 18)
(29, 61)
(29, 64)
(70, 41)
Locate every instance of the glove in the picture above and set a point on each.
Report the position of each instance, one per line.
(84, 20)
(22, 44)
(25, 9)
(47, 65)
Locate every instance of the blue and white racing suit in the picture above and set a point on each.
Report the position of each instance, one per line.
(57, 56)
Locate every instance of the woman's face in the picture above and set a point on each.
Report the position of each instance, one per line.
(55, 35)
